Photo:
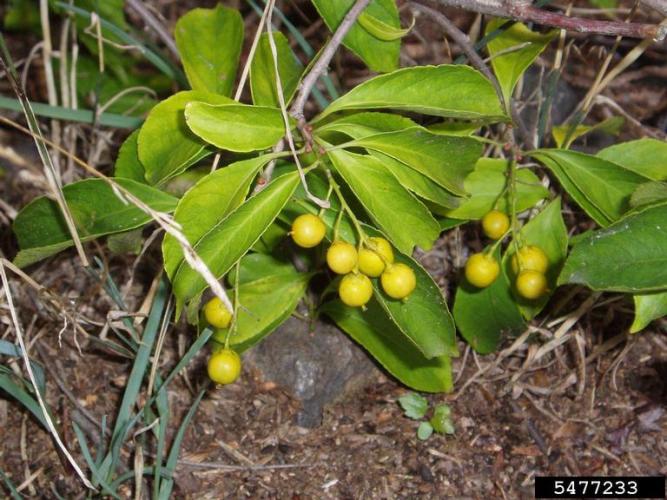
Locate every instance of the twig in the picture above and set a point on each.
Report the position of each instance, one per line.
(464, 43)
(325, 58)
(469, 50)
(524, 11)
(151, 21)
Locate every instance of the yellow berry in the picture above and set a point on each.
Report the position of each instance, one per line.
(530, 258)
(398, 280)
(495, 224)
(224, 367)
(341, 257)
(355, 290)
(374, 258)
(481, 270)
(217, 314)
(531, 284)
(308, 230)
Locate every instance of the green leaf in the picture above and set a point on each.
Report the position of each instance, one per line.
(600, 187)
(445, 160)
(379, 55)
(442, 420)
(166, 146)
(484, 316)
(263, 73)
(21, 15)
(546, 230)
(127, 242)
(469, 95)
(127, 164)
(647, 157)
(513, 51)
(380, 337)
(381, 30)
(417, 183)
(208, 202)
(487, 188)
(224, 244)
(648, 307)
(236, 127)
(648, 194)
(561, 133)
(423, 317)
(405, 220)
(8, 384)
(424, 431)
(628, 256)
(269, 291)
(97, 211)
(414, 405)
(209, 42)
(605, 4)
(461, 129)
(359, 125)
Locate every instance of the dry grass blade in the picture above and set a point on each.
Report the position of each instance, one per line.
(165, 221)
(31, 375)
(50, 171)
(283, 109)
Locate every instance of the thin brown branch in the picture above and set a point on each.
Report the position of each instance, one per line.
(466, 46)
(463, 42)
(325, 58)
(524, 11)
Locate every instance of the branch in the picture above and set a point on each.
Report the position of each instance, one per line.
(325, 58)
(524, 11)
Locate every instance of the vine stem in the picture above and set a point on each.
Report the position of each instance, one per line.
(323, 61)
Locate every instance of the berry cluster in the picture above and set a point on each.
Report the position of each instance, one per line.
(224, 366)
(374, 258)
(529, 263)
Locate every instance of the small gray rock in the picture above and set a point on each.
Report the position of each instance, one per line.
(318, 367)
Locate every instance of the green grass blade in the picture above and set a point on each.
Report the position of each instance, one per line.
(172, 461)
(136, 378)
(73, 115)
(194, 349)
(22, 396)
(155, 59)
(10, 486)
(148, 471)
(14, 351)
(162, 404)
(100, 447)
(91, 465)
